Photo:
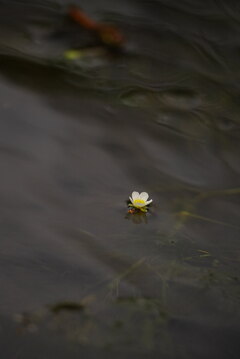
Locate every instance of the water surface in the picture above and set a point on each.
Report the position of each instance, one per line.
(80, 277)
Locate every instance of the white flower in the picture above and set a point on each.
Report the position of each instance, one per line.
(140, 200)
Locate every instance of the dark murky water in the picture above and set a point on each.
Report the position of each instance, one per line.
(78, 277)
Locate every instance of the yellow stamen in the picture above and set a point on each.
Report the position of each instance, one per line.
(138, 202)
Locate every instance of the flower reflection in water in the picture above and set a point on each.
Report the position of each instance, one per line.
(137, 217)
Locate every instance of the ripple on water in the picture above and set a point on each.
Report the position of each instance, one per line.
(181, 99)
(183, 123)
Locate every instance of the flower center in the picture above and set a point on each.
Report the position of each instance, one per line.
(138, 202)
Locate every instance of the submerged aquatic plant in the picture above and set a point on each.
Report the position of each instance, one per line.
(139, 202)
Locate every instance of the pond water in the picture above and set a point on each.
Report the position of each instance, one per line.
(80, 277)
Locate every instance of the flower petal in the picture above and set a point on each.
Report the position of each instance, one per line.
(135, 195)
(131, 199)
(150, 201)
(144, 196)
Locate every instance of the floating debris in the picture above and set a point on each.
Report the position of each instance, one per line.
(66, 306)
(76, 54)
(107, 35)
